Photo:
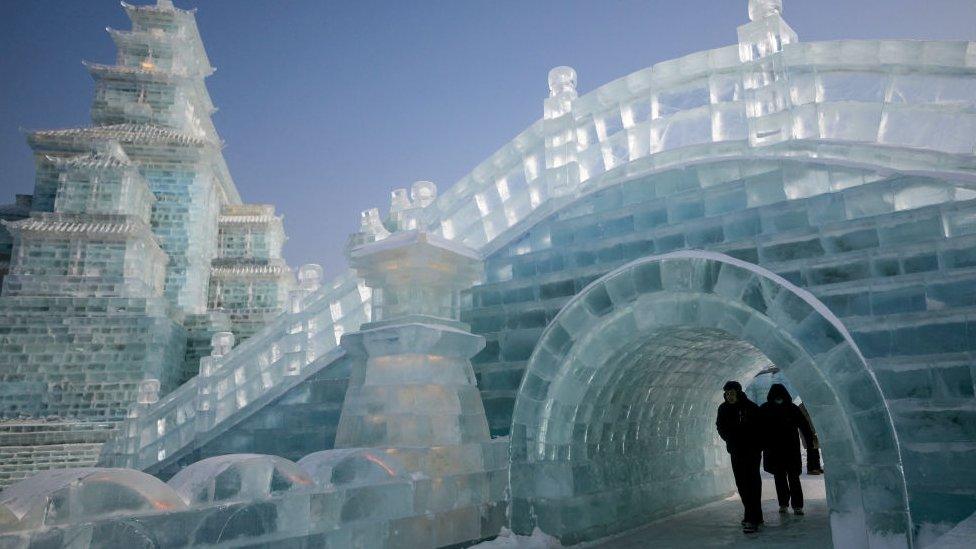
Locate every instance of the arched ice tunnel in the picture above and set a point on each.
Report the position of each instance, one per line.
(614, 421)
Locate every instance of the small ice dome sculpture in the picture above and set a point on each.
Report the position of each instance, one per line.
(764, 8)
(63, 496)
(238, 477)
(353, 467)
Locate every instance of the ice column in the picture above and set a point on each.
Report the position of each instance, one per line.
(412, 384)
(559, 124)
(761, 44)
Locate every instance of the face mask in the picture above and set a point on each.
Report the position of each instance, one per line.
(778, 401)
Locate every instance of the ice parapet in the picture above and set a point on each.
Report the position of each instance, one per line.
(238, 477)
(353, 467)
(72, 496)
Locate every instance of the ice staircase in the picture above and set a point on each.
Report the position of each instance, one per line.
(230, 387)
(30, 446)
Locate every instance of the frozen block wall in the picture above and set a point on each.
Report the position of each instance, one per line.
(200, 330)
(249, 280)
(249, 231)
(11, 212)
(78, 256)
(78, 377)
(251, 294)
(891, 255)
(29, 446)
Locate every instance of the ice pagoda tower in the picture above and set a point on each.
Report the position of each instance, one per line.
(109, 275)
(249, 279)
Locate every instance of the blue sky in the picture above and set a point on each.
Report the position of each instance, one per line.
(326, 106)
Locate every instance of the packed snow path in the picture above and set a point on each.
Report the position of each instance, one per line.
(717, 524)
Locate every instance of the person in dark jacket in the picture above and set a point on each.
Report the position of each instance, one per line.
(781, 422)
(738, 424)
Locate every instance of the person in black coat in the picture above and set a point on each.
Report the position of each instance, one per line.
(739, 426)
(781, 421)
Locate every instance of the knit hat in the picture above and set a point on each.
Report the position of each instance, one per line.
(732, 385)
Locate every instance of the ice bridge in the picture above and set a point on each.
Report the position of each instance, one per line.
(806, 205)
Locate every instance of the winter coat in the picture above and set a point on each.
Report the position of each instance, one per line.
(738, 424)
(781, 422)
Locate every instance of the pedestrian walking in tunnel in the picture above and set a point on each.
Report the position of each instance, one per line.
(782, 425)
(739, 426)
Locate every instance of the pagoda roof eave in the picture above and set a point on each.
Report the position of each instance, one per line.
(99, 70)
(61, 224)
(143, 134)
(155, 8)
(94, 161)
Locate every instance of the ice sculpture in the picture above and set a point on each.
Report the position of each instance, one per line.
(807, 206)
(413, 385)
(249, 279)
(131, 221)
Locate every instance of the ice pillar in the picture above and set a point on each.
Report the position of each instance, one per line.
(412, 384)
(761, 43)
(559, 124)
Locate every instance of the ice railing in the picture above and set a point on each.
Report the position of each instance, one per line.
(232, 379)
(892, 103)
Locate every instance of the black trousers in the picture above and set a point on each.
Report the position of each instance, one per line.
(745, 468)
(788, 490)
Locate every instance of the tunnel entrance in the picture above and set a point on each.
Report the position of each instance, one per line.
(614, 423)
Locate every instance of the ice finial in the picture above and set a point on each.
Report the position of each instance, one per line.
(399, 200)
(562, 80)
(759, 9)
(148, 391)
(423, 193)
(310, 277)
(221, 343)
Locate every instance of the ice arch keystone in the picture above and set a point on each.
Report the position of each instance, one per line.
(614, 420)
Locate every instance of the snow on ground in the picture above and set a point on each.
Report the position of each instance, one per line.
(713, 525)
(717, 525)
(509, 540)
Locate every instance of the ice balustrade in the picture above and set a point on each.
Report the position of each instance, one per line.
(230, 380)
(870, 98)
(362, 497)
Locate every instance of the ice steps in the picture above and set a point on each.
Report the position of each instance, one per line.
(29, 447)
